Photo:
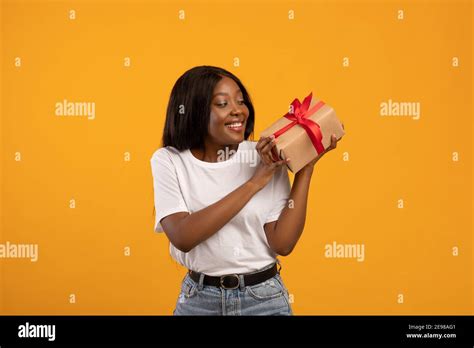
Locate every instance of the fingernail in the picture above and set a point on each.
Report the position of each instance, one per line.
(272, 136)
(288, 160)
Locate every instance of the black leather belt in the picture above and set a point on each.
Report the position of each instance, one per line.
(232, 281)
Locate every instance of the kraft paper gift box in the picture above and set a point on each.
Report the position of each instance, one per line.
(304, 132)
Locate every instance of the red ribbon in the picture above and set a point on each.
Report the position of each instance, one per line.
(300, 116)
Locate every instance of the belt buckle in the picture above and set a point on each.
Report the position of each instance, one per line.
(230, 275)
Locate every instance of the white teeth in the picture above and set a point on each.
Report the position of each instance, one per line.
(234, 125)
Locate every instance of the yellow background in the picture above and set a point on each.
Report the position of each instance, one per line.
(81, 251)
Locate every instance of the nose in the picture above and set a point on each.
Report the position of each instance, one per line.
(237, 109)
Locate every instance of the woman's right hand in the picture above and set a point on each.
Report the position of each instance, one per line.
(267, 166)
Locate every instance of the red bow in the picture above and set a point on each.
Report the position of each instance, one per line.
(300, 116)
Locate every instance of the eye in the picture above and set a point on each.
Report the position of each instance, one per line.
(224, 104)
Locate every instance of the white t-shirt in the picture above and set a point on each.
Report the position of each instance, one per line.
(183, 183)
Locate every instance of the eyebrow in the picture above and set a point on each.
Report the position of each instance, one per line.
(223, 93)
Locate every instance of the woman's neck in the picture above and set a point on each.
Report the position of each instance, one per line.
(215, 152)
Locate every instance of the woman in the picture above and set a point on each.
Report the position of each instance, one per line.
(222, 199)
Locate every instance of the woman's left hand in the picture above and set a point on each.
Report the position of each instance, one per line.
(333, 145)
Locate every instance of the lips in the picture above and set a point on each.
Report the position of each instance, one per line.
(234, 125)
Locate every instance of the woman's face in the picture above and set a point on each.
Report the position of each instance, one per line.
(229, 114)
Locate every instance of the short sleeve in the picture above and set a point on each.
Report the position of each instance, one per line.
(168, 197)
(280, 194)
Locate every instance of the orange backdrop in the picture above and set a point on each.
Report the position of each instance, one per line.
(80, 188)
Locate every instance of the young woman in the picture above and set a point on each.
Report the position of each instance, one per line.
(222, 199)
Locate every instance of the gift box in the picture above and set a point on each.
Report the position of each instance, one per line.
(304, 132)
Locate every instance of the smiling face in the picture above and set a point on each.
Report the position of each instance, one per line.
(229, 113)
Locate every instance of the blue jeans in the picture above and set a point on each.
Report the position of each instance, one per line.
(266, 298)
